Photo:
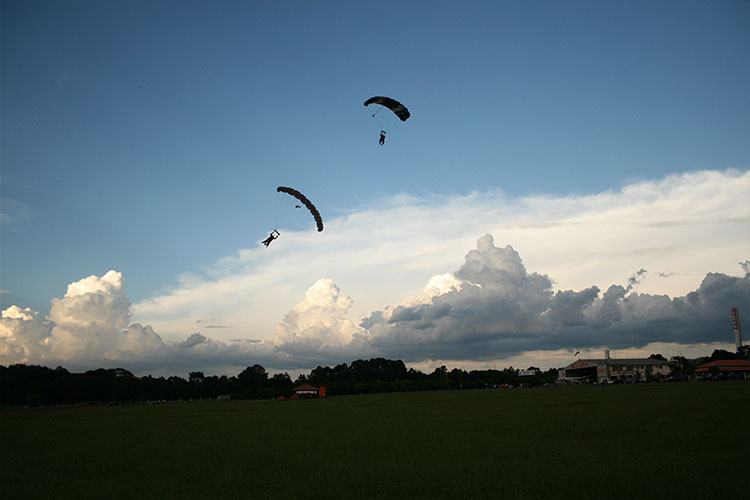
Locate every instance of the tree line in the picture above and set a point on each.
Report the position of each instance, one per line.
(34, 385)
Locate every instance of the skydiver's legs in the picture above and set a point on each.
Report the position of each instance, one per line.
(274, 234)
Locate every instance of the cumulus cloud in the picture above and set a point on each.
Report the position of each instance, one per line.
(502, 310)
(90, 327)
(582, 284)
(90, 324)
(491, 308)
(23, 335)
(319, 317)
(193, 341)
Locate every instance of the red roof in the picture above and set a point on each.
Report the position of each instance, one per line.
(726, 365)
(306, 387)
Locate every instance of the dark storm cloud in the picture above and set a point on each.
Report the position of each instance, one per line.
(567, 306)
(502, 310)
(193, 340)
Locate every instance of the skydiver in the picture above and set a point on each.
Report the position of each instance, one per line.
(382, 137)
(274, 234)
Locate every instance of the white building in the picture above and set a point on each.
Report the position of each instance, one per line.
(614, 370)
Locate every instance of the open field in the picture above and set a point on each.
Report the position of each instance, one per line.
(684, 440)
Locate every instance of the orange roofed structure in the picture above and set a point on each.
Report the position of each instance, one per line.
(728, 368)
(308, 391)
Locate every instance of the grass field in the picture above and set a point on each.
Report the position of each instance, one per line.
(684, 440)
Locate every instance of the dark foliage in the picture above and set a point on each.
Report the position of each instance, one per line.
(33, 385)
(721, 354)
(38, 385)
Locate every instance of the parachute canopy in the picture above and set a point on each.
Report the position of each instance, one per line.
(303, 199)
(391, 104)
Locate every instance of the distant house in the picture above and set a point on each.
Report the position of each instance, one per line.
(727, 368)
(614, 370)
(308, 391)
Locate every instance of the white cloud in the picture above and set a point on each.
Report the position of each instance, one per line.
(89, 325)
(671, 248)
(320, 317)
(23, 334)
(678, 229)
(490, 309)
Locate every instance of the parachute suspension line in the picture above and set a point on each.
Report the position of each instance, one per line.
(291, 213)
(284, 214)
(277, 212)
(284, 211)
(376, 112)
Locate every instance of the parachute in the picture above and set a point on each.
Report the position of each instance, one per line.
(392, 104)
(304, 202)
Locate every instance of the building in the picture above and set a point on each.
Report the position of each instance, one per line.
(614, 370)
(724, 368)
(308, 391)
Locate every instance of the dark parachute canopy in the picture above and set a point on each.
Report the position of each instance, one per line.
(307, 203)
(391, 104)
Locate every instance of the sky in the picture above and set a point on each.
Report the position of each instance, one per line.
(573, 176)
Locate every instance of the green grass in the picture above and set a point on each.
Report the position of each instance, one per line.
(685, 440)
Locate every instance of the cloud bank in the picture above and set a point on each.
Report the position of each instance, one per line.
(679, 228)
(501, 310)
(655, 262)
(491, 308)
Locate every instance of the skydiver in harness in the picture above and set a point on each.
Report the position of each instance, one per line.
(274, 234)
(382, 137)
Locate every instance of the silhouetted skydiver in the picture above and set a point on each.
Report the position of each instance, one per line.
(274, 234)
(382, 137)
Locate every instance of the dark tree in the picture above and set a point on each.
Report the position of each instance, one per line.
(252, 382)
(721, 354)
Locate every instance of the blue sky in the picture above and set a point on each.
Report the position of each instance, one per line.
(149, 137)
